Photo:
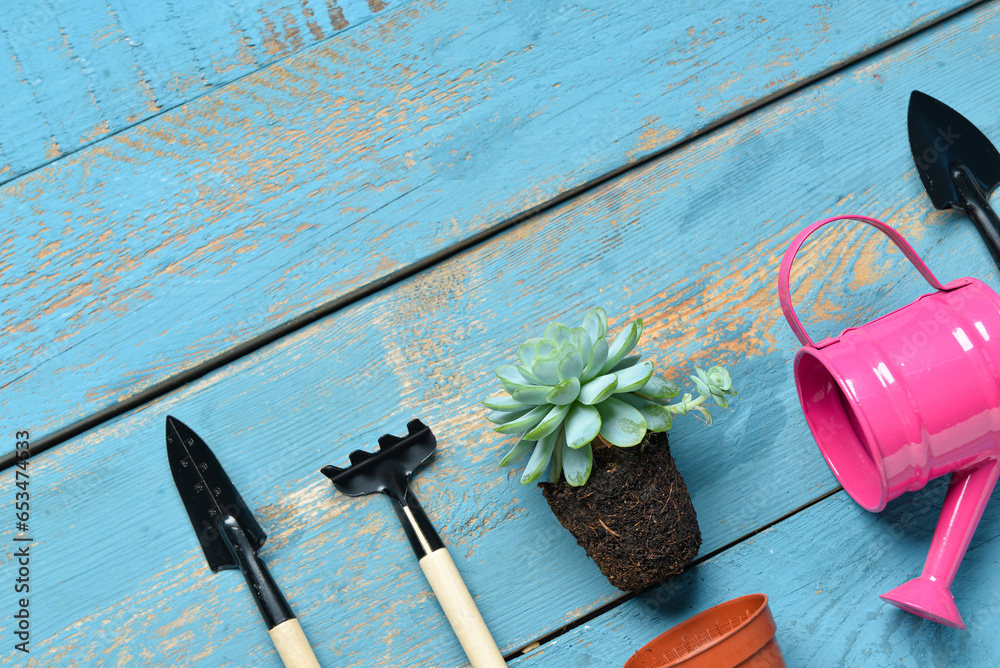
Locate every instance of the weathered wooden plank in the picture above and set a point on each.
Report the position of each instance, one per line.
(704, 284)
(76, 72)
(823, 571)
(166, 244)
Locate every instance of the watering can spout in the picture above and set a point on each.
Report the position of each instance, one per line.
(930, 594)
(928, 599)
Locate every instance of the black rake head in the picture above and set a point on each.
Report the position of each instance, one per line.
(388, 469)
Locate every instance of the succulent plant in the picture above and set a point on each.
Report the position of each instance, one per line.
(571, 386)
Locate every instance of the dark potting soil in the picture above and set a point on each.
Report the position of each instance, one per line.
(634, 515)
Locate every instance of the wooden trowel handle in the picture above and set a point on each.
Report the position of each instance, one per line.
(292, 645)
(461, 610)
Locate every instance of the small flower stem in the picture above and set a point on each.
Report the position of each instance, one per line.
(675, 408)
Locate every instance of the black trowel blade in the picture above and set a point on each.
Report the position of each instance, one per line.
(940, 139)
(208, 494)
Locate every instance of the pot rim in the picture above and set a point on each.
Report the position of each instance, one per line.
(759, 623)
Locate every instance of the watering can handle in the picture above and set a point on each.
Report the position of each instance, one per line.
(784, 274)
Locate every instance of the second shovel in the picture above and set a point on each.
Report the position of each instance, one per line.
(958, 165)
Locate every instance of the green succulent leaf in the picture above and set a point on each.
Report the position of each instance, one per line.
(565, 392)
(557, 459)
(559, 333)
(508, 373)
(504, 403)
(704, 414)
(577, 464)
(634, 377)
(567, 350)
(659, 388)
(503, 417)
(718, 377)
(539, 459)
(596, 323)
(570, 366)
(623, 345)
(530, 394)
(526, 351)
(598, 389)
(658, 418)
(528, 377)
(702, 386)
(546, 348)
(552, 421)
(598, 355)
(517, 453)
(546, 369)
(524, 423)
(621, 424)
(583, 423)
(627, 362)
(583, 342)
(512, 386)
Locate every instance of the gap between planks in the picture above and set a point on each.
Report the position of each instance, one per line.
(255, 343)
(608, 607)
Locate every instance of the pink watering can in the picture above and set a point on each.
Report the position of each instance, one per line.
(905, 398)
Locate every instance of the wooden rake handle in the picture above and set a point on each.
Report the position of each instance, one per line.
(455, 600)
(461, 610)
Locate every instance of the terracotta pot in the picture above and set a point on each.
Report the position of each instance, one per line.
(735, 634)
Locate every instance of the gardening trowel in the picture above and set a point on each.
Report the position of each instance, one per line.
(230, 537)
(958, 165)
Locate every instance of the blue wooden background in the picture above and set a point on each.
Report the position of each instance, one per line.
(434, 182)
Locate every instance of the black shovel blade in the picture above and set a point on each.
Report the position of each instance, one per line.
(388, 469)
(940, 139)
(208, 495)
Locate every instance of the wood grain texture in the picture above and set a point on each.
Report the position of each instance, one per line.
(73, 73)
(690, 242)
(823, 571)
(166, 244)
